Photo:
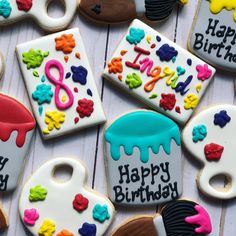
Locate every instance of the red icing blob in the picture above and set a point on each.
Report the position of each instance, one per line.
(14, 117)
(167, 101)
(24, 5)
(85, 107)
(80, 202)
(213, 151)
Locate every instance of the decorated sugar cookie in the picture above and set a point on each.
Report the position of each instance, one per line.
(49, 207)
(60, 83)
(159, 72)
(143, 157)
(118, 11)
(3, 219)
(16, 130)
(181, 217)
(2, 65)
(14, 10)
(210, 137)
(213, 35)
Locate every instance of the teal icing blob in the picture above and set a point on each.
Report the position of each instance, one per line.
(5, 8)
(135, 35)
(144, 130)
(199, 133)
(43, 93)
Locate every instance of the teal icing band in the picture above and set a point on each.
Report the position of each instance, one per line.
(144, 130)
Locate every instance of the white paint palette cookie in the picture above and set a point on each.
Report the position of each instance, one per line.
(60, 83)
(14, 10)
(213, 35)
(210, 137)
(49, 207)
(159, 72)
(16, 130)
(143, 157)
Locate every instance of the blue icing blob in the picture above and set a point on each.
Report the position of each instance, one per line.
(166, 52)
(68, 75)
(142, 129)
(158, 38)
(79, 74)
(135, 35)
(189, 62)
(221, 118)
(88, 229)
(199, 133)
(89, 92)
(5, 8)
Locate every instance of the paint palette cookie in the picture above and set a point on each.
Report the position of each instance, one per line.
(16, 130)
(119, 11)
(181, 217)
(14, 10)
(159, 72)
(51, 207)
(60, 83)
(143, 157)
(210, 137)
(213, 35)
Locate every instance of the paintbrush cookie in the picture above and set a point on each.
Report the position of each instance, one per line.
(60, 83)
(181, 217)
(159, 72)
(16, 130)
(51, 207)
(118, 11)
(213, 35)
(15, 10)
(143, 156)
(210, 138)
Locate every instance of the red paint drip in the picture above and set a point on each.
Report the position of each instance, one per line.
(14, 117)
(213, 151)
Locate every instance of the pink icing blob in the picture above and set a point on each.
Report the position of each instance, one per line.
(202, 219)
(204, 72)
(30, 216)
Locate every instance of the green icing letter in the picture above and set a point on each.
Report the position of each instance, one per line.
(38, 193)
(144, 130)
(133, 80)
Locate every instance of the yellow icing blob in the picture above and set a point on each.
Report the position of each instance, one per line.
(47, 228)
(216, 6)
(190, 101)
(63, 98)
(149, 38)
(54, 119)
(198, 87)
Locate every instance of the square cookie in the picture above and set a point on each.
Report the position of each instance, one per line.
(158, 72)
(60, 83)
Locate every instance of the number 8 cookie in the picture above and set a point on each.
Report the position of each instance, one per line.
(49, 207)
(210, 137)
(15, 10)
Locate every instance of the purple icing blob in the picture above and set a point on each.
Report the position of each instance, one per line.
(221, 118)
(79, 74)
(88, 229)
(166, 52)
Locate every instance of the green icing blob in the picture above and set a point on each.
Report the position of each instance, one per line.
(133, 80)
(35, 73)
(38, 193)
(144, 130)
(154, 95)
(34, 58)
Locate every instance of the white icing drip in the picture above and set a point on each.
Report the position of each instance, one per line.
(159, 225)
(140, 6)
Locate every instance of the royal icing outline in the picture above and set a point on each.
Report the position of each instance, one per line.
(159, 72)
(15, 137)
(143, 164)
(15, 10)
(213, 34)
(209, 137)
(43, 199)
(60, 83)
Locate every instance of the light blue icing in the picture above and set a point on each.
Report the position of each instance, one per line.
(5, 8)
(199, 133)
(135, 35)
(144, 130)
(100, 213)
(43, 93)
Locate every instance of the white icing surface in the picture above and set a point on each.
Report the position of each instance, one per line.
(160, 87)
(2, 65)
(47, 43)
(159, 225)
(58, 203)
(39, 12)
(223, 136)
(140, 6)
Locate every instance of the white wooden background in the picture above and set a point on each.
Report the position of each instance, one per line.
(100, 42)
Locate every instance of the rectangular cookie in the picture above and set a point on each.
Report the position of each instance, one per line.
(159, 72)
(60, 83)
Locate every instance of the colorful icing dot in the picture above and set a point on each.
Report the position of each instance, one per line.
(149, 38)
(180, 70)
(76, 120)
(5, 8)
(120, 77)
(166, 52)
(38, 193)
(199, 133)
(30, 216)
(76, 90)
(213, 151)
(79, 74)
(135, 35)
(153, 45)
(88, 229)
(77, 55)
(174, 59)
(40, 110)
(43, 79)
(198, 87)
(221, 118)
(35, 73)
(63, 98)
(65, 43)
(80, 203)
(89, 92)
(177, 109)
(47, 228)
(68, 75)
(154, 95)
(43, 93)
(133, 80)
(85, 107)
(158, 38)
(66, 59)
(123, 52)
(189, 62)
(100, 213)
